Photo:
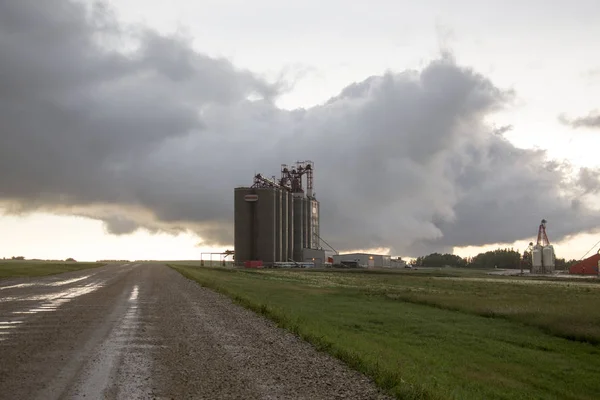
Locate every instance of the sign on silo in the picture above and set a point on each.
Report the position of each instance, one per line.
(251, 197)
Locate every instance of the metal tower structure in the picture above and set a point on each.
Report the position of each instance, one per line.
(291, 177)
(542, 238)
(262, 182)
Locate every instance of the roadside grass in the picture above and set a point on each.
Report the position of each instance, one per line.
(565, 308)
(15, 269)
(415, 351)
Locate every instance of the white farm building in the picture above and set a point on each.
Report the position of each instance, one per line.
(363, 260)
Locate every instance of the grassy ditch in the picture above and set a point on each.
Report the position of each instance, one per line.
(13, 269)
(416, 351)
(564, 308)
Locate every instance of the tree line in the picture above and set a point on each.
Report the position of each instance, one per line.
(500, 258)
(22, 258)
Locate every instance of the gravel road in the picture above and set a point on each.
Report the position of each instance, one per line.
(142, 331)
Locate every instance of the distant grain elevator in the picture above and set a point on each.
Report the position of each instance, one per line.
(277, 220)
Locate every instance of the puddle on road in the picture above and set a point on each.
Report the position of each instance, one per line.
(68, 281)
(21, 285)
(47, 303)
(134, 293)
(7, 326)
(8, 299)
(51, 302)
(53, 283)
(10, 324)
(46, 284)
(121, 353)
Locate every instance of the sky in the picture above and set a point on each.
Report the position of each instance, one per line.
(438, 126)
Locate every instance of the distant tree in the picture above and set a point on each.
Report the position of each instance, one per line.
(526, 260)
(561, 264)
(18, 258)
(70, 260)
(437, 260)
(500, 258)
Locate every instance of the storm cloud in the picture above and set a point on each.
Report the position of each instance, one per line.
(137, 129)
(592, 120)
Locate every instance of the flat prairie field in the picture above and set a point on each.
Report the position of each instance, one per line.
(18, 269)
(426, 336)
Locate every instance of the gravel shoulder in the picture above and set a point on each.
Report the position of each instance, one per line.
(145, 331)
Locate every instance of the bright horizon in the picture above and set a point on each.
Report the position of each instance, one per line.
(544, 53)
(167, 247)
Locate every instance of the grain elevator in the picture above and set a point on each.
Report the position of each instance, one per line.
(542, 253)
(277, 220)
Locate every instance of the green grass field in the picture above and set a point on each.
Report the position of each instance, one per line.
(425, 336)
(12, 269)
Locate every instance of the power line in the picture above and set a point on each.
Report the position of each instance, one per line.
(593, 247)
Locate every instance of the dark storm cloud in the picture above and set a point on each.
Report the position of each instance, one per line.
(592, 120)
(119, 225)
(588, 180)
(157, 135)
(80, 122)
(502, 130)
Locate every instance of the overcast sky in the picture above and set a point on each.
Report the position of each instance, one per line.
(433, 127)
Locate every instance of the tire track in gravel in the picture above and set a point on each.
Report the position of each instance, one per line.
(119, 366)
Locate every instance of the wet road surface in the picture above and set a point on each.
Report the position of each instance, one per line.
(142, 331)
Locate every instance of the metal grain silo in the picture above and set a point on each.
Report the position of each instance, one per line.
(307, 222)
(315, 233)
(536, 259)
(548, 258)
(284, 225)
(244, 208)
(299, 208)
(290, 237)
(278, 225)
(265, 225)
